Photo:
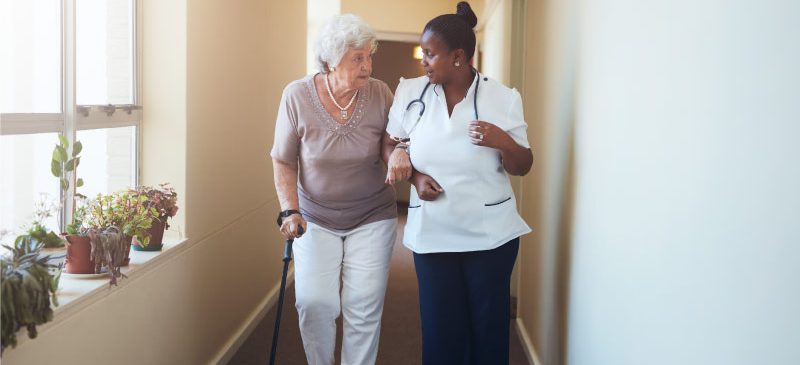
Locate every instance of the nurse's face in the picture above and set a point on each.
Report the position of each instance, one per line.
(437, 59)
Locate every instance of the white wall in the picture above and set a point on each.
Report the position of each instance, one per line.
(687, 218)
(495, 41)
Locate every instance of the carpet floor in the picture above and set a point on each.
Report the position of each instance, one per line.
(400, 342)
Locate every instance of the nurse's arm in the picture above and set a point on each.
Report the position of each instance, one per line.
(517, 160)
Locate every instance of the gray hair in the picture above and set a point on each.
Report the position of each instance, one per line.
(339, 34)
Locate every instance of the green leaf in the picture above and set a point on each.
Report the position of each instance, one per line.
(62, 154)
(77, 148)
(79, 183)
(57, 155)
(63, 139)
(77, 162)
(70, 165)
(64, 184)
(55, 168)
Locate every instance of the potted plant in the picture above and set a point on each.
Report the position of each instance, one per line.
(108, 246)
(53, 244)
(44, 209)
(28, 289)
(64, 165)
(110, 250)
(124, 210)
(164, 200)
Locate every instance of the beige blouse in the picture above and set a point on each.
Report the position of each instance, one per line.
(341, 172)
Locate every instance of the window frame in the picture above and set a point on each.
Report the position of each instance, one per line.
(74, 117)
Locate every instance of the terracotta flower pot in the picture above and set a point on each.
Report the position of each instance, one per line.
(156, 236)
(79, 255)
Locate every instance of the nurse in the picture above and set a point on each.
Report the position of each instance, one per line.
(455, 134)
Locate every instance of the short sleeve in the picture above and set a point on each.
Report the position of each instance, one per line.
(517, 128)
(395, 126)
(286, 146)
(388, 98)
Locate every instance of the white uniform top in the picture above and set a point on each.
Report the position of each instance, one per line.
(477, 210)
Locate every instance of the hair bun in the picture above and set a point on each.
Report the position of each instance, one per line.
(465, 12)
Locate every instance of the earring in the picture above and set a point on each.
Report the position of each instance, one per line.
(458, 64)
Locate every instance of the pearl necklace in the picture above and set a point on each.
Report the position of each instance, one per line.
(342, 111)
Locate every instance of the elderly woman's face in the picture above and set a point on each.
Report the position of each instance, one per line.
(355, 67)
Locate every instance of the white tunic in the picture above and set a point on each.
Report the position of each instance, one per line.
(477, 210)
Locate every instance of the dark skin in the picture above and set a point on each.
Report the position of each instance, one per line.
(450, 69)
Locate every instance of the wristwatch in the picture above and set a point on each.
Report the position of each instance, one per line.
(285, 214)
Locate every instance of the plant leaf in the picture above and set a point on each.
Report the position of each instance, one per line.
(77, 148)
(79, 183)
(63, 139)
(55, 168)
(62, 153)
(64, 184)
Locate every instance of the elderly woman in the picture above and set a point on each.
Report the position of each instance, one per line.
(463, 133)
(330, 180)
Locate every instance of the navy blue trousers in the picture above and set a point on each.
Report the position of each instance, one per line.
(464, 300)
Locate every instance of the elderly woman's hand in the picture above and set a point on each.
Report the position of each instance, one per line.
(427, 188)
(399, 166)
(291, 224)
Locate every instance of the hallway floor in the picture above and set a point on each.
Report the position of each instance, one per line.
(400, 343)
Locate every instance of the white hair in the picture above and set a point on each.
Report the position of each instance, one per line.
(339, 34)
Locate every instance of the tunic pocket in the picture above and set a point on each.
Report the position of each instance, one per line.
(500, 216)
(414, 217)
(498, 203)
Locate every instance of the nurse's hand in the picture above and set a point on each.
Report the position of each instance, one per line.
(291, 224)
(399, 166)
(488, 135)
(427, 188)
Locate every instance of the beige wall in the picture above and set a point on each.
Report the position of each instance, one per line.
(547, 190)
(214, 69)
(163, 70)
(402, 16)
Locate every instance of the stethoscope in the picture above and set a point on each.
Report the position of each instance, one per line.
(422, 103)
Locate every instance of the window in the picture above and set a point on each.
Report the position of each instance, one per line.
(69, 67)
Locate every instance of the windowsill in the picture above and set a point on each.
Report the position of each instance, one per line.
(76, 293)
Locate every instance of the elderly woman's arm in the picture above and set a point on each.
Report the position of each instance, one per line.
(398, 165)
(399, 169)
(286, 184)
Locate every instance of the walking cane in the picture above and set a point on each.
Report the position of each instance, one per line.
(287, 256)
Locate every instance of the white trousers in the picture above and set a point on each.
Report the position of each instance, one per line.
(359, 260)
